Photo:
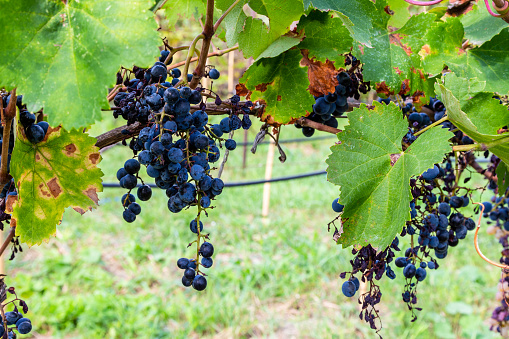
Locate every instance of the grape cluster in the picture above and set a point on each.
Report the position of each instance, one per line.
(14, 320)
(35, 132)
(23, 325)
(437, 224)
(332, 105)
(177, 148)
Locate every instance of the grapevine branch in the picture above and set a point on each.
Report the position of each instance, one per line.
(115, 135)
(7, 116)
(12, 231)
(316, 125)
(208, 33)
(212, 54)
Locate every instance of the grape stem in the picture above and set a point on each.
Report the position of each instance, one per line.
(190, 54)
(476, 243)
(208, 33)
(438, 122)
(12, 231)
(225, 158)
(173, 51)
(7, 116)
(212, 54)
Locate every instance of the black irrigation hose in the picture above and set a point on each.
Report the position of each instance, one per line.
(244, 183)
(290, 140)
(287, 141)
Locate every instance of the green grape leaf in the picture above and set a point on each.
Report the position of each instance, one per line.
(234, 21)
(486, 62)
(281, 14)
(374, 173)
(393, 59)
(462, 88)
(358, 16)
(282, 84)
(184, 9)
(326, 37)
(480, 26)
(267, 45)
(442, 40)
(486, 113)
(59, 172)
(498, 144)
(259, 38)
(502, 178)
(63, 55)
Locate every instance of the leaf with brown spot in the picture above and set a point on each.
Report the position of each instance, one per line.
(48, 182)
(241, 90)
(11, 200)
(281, 83)
(322, 76)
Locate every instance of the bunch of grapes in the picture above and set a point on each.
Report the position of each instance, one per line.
(332, 105)
(14, 320)
(177, 148)
(437, 224)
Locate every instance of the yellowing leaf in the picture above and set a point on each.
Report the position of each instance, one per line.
(59, 172)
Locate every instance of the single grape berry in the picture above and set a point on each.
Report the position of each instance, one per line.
(189, 273)
(199, 283)
(431, 173)
(12, 317)
(187, 282)
(132, 166)
(183, 263)
(409, 271)
(206, 262)
(129, 216)
(206, 249)
(230, 144)
(308, 131)
(444, 208)
(356, 282)
(348, 289)
(24, 327)
(193, 226)
(214, 74)
(144, 192)
(420, 274)
(35, 134)
(135, 208)
(127, 199)
(401, 262)
(336, 206)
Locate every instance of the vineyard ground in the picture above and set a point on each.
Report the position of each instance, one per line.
(273, 278)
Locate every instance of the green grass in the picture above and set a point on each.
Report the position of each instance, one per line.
(274, 277)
